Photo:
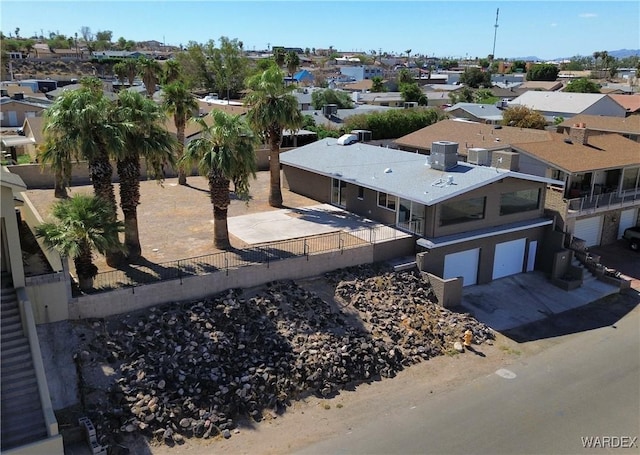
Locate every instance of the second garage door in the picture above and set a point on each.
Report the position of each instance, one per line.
(464, 264)
(509, 258)
(627, 219)
(589, 230)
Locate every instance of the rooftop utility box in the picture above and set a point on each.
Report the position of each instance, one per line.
(444, 155)
(347, 139)
(329, 109)
(505, 159)
(479, 156)
(363, 135)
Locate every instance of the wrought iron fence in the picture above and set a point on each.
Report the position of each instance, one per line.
(135, 275)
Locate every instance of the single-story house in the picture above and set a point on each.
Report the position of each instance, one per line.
(567, 105)
(630, 102)
(483, 113)
(14, 111)
(476, 222)
(628, 127)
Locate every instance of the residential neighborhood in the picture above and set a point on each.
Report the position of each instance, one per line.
(202, 241)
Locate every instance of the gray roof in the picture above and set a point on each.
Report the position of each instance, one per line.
(342, 114)
(485, 111)
(573, 103)
(395, 172)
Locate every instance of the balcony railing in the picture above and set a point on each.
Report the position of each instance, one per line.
(602, 202)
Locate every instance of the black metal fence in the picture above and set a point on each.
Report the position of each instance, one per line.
(145, 273)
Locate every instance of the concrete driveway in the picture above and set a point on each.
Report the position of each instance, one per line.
(524, 298)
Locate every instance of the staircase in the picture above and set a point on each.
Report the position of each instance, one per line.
(587, 276)
(22, 420)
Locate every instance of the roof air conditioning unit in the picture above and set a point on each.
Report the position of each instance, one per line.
(329, 109)
(479, 156)
(363, 135)
(444, 155)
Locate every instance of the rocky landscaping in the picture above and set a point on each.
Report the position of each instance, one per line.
(195, 369)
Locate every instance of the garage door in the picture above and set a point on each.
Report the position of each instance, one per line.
(464, 264)
(589, 230)
(628, 219)
(509, 258)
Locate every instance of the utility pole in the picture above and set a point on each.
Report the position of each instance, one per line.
(495, 34)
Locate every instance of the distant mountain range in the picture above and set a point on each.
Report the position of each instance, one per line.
(620, 53)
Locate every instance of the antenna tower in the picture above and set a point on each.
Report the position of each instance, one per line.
(495, 34)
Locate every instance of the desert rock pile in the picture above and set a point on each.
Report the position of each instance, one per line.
(191, 370)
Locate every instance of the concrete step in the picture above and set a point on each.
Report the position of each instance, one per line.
(19, 393)
(14, 408)
(13, 326)
(9, 320)
(9, 377)
(9, 311)
(23, 383)
(16, 364)
(8, 336)
(15, 350)
(23, 429)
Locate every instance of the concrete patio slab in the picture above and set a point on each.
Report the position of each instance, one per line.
(520, 299)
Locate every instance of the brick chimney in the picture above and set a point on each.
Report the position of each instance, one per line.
(579, 133)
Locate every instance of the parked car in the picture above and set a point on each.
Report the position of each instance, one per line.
(632, 235)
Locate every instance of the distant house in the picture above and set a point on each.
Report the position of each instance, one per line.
(567, 105)
(601, 196)
(630, 102)
(14, 111)
(628, 127)
(478, 223)
(333, 118)
(303, 77)
(360, 72)
(390, 99)
(117, 54)
(470, 136)
(484, 113)
(541, 86)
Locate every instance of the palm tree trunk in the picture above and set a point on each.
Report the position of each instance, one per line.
(101, 173)
(60, 189)
(182, 175)
(85, 268)
(219, 194)
(275, 193)
(129, 172)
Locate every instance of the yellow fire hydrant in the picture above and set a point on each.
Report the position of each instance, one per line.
(468, 338)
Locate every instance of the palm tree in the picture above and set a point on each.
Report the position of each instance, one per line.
(292, 61)
(273, 108)
(84, 224)
(172, 72)
(596, 56)
(149, 70)
(279, 55)
(131, 67)
(59, 158)
(146, 137)
(79, 124)
(180, 103)
(225, 152)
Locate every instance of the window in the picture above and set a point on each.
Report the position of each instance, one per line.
(462, 211)
(387, 201)
(630, 178)
(519, 201)
(360, 192)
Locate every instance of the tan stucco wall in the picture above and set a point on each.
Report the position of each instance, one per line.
(12, 240)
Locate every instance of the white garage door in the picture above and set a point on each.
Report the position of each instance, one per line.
(464, 264)
(589, 230)
(509, 258)
(627, 219)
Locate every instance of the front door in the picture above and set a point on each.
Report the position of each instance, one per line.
(410, 216)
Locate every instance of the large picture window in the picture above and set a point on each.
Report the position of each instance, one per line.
(387, 201)
(519, 201)
(630, 179)
(462, 211)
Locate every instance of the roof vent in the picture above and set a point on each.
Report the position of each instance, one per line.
(568, 141)
(387, 170)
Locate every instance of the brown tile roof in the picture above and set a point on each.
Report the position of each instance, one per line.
(470, 135)
(541, 85)
(364, 84)
(626, 125)
(33, 128)
(630, 102)
(604, 151)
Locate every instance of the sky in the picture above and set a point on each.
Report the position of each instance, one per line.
(547, 29)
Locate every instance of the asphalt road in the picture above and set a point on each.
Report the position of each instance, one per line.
(586, 385)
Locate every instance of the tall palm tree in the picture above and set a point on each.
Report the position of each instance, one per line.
(59, 158)
(149, 71)
(292, 61)
(272, 109)
(224, 152)
(596, 56)
(279, 55)
(177, 100)
(147, 138)
(84, 223)
(172, 71)
(131, 68)
(79, 124)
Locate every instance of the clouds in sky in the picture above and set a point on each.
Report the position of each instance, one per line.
(587, 15)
